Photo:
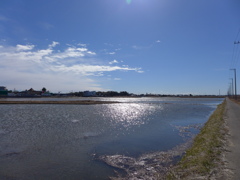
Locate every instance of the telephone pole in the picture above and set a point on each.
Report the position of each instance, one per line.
(235, 42)
(229, 90)
(235, 82)
(232, 90)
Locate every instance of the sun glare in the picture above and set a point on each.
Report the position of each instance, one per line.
(129, 1)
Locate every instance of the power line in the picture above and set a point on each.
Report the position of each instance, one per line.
(238, 55)
(234, 62)
(236, 51)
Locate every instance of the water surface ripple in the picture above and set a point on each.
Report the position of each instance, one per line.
(58, 141)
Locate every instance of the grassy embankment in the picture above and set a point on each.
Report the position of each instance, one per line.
(204, 154)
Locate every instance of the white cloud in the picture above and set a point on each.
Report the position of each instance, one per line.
(81, 44)
(88, 70)
(158, 41)
(91, 53)
(113, 62)
(117, 79)
(72, 52)
(111, 53)
(54, 43)
(24, 47)
(69, 69)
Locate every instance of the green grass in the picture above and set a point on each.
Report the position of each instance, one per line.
(204, 153)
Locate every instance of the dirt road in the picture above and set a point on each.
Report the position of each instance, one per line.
(233, 154)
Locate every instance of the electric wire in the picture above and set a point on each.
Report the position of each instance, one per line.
(236, 51)
(234, 60)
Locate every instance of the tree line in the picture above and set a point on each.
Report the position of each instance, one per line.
(105, 94)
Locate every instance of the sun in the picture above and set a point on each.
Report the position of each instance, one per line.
(128, 1)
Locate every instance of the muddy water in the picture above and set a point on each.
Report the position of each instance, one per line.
(63, 141)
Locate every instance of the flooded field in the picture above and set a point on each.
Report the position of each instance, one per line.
(95, 141)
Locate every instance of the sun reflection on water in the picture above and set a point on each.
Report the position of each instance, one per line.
(129, 115)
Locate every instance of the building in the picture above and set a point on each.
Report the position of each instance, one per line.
(3, 91)
(3, 88)
(46, 94)
(89, 93)
(30, 93)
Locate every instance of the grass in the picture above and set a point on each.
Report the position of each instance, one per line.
(201, 158)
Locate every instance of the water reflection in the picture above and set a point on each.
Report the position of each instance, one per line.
(56, 141)
(129, 114)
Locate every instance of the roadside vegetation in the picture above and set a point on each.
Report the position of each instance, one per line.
(204, 155)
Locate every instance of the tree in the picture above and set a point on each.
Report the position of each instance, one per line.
(124, 93)
(44, 89)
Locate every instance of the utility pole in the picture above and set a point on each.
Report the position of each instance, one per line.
(235, 82)
(232, 87)
(235, 42)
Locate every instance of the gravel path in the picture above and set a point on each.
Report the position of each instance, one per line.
(233, 154)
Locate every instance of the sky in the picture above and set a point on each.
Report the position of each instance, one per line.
(139, 46)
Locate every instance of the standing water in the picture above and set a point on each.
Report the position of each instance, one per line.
(63, 141)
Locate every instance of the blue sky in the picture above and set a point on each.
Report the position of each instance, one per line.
(139, 46)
